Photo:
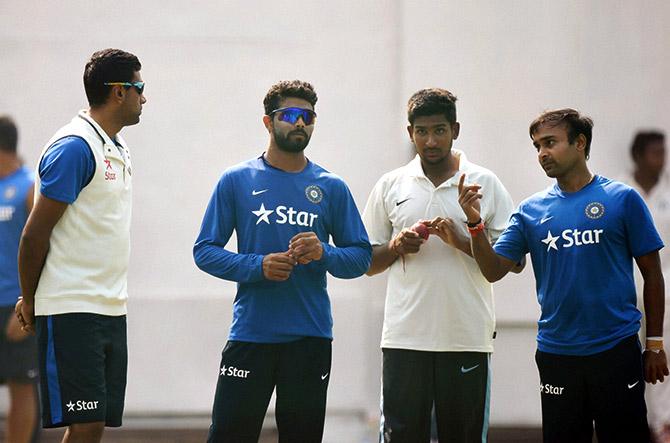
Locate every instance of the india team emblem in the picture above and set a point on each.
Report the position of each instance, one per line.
(313, 193)
(594, 210)
(10, 192)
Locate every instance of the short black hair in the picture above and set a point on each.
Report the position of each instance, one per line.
(432, 101)
(288, 88)
(9, 135)
(575, 122)
(105, 66)
(642, 140)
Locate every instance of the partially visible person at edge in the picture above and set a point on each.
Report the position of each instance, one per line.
(651, 179)
(583, 234)
(439, 320)
(73, 256)
(18, 350)
(284, 209)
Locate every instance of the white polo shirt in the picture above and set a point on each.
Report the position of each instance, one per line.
(440, 301)
(658, 202)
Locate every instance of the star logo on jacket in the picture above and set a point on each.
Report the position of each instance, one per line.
(109, 175)
(263, 214)
(550, 241)
(574, 238)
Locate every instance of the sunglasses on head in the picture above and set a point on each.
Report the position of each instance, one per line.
(291, 115)
(139, 86)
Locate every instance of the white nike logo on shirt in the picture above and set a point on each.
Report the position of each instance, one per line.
(465, 371)
(258, 192)
(633, 385)
(323, 377)
(545, 219)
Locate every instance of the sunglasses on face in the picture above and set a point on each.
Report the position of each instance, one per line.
(139, 86)
(291, 115)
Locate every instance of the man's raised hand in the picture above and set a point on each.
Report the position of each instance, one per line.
(468, 198)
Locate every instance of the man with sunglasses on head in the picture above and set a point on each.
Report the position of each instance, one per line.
(73, 255)
(284, 209)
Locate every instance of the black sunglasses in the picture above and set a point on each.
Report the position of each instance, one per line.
(139, 86)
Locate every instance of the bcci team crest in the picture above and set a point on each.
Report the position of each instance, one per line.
(10, 192)
(313, 193)
(594, 210)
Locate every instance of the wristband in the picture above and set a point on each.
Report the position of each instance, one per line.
(474, 230)
(473, 225)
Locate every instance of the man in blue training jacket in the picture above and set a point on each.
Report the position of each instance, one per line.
(18, 349)
(583, 234)
(284, 209)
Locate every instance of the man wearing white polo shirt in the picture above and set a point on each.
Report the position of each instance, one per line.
(439, 320)
(652, 181)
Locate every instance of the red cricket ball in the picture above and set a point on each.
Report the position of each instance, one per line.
(421, 229)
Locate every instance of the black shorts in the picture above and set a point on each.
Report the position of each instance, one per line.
(249, 372)
(83, 360)
(457, 384)
(19, 358)
(605, 389)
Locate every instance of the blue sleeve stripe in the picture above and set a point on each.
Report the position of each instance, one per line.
(52, 376)
(92, 157)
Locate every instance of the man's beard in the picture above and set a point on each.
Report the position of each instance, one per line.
(286, 144)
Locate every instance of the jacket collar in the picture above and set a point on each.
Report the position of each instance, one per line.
(84, 115)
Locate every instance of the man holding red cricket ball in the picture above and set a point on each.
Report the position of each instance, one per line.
(439, 320)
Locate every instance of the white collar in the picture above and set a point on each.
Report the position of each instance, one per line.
(98, 129)
(414, 168)
(661, 186)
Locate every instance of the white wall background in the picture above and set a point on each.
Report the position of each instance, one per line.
(208, 65)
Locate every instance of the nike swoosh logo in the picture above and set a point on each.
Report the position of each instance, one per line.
(465, 371)
(323, 377)
(402, 201)
(633, 385)
(259, 192)
(545, 219)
